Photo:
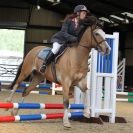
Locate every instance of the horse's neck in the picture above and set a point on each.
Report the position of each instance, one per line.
(84, 47)
(86, 39)
(82, 54)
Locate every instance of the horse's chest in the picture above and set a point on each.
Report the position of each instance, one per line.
(80, 75)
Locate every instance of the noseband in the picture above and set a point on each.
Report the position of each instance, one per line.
(92, 35)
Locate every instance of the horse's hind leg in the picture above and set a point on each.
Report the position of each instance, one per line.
(21, 77)
(15, 87)
(25, 72)
(36, 79)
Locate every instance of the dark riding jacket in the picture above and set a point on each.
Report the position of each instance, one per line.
(68, 32)
(71, 34)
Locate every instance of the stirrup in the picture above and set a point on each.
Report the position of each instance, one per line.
(43, 68)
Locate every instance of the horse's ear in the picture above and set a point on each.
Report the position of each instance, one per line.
(90, 20)
(100, 23)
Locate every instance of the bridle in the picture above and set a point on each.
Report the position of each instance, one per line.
(93, 37)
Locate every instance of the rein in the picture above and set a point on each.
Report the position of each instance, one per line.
(84, 46)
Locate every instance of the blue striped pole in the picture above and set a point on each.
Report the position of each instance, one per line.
(39, 117)
(39, 106)
(41, 86)
(32, 92)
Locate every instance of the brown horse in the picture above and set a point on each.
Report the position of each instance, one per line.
(71, 68)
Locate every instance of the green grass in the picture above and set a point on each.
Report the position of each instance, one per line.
(12, 40)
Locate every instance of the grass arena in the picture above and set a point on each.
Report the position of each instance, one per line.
(123, 109)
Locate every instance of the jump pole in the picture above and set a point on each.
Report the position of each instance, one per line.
(124, 99)
(32, 92)
(41, 86)
(31, 117)
(39, 106)
(125, 93)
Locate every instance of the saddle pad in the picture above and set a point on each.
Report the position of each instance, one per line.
(43, 53)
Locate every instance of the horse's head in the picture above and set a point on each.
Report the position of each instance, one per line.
(94, 37)
(98, 40)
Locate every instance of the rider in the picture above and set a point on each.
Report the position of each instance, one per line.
(67, 34)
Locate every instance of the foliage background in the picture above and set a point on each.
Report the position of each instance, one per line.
(12, 40)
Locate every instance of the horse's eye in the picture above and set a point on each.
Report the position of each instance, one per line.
(96, 34)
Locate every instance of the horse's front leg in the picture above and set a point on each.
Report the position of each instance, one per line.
(66, 88)
(86, 102)
(85, 92)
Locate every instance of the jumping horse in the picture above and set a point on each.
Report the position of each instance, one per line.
(71, 67)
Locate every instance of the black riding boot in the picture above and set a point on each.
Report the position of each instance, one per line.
(48, 59)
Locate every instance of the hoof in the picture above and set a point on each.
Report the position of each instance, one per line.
(24, 94)
(67, 124)
(87, 115)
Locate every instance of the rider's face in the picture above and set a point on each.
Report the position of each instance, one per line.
(82, 14)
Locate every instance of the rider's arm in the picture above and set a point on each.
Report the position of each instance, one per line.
(65, 34)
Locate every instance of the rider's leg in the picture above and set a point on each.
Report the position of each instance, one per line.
(50, 56)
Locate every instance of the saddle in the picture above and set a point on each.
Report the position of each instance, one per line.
(43, 53)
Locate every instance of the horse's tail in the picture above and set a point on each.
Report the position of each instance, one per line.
(18, 73)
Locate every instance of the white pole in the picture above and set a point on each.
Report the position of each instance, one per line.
(77, 95)
(123, 74)
(114, 79)
(93, 81)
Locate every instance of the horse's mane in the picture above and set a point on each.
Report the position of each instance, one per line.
(81, 32)
(88, 22)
